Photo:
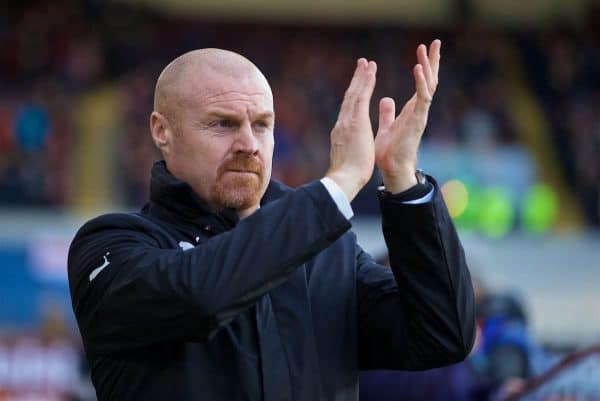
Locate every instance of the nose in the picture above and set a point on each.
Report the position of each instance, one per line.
(245, 140)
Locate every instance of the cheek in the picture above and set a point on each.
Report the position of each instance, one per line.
(202, 154)
(267, 148)
(267, 144)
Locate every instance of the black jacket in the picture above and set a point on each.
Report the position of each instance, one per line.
(283, 305)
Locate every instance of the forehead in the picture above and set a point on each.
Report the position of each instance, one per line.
(217, 92)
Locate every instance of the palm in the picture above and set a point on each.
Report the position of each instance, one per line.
(398, 137)
(391, 148)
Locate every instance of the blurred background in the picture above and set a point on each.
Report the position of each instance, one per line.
(513, 140)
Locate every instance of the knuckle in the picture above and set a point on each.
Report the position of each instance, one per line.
(352, 123)
(426, 100)
(341, 125)
(362, 98)
(337, 127)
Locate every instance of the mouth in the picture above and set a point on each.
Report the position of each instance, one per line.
(242, 172)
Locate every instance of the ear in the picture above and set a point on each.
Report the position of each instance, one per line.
(161, 131)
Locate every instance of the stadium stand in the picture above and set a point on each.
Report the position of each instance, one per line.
(86, 87)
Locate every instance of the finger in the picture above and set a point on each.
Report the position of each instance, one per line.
(387, 114)
(350, 95)
(365, 91)
(434, 58)
(354, 82)
(423, 95)
(424, 61)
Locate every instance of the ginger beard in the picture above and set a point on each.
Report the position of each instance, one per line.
(240, 182)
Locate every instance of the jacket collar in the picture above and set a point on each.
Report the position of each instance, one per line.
(177, 197)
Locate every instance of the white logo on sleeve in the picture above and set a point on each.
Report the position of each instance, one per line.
(185, 245)
(97, 270)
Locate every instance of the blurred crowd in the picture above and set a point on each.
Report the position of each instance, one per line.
(53, 56)
(45, 363)
(564, 71)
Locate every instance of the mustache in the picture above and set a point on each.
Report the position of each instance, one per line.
(242, 162)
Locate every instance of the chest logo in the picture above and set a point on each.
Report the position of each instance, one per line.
(185, 245)
(98, 269)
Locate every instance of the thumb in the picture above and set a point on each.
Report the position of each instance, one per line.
(387, 113)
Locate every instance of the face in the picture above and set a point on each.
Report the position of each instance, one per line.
(222, 140)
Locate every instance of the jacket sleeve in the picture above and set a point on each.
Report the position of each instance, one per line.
(146, 295)
(421, 313)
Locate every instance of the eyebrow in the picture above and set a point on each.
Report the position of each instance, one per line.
(233, 116)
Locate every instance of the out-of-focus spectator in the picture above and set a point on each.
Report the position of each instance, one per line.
(45, 365)
(563, 67)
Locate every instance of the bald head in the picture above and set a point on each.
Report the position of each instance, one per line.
(195, 72)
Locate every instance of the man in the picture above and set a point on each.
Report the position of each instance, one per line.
(230, 286)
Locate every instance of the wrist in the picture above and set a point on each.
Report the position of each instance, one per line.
(346, 182)
(396, 183)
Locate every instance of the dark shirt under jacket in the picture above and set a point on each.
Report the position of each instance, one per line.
(177, 303)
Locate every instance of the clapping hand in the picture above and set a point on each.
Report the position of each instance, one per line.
(352, 156)
(398, 138)
(394, 150)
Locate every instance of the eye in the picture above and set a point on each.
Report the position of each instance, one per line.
(226, 123)
(262, 125)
